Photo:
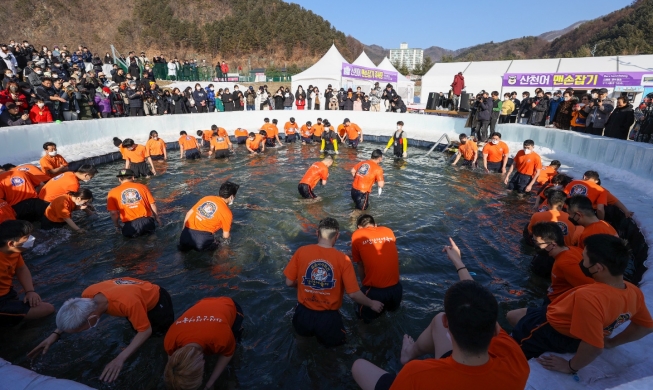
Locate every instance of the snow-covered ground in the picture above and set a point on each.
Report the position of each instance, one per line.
(626, 169)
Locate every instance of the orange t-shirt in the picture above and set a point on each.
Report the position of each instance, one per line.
(210, 214)
(566, 273)
(600, 227)
(290, 128)
(318, 171)
(155, 147)
(254, 143)
(127, 297)
(59, 185)
(468, 150)
(271, 130)
(241, 132)
(507, 369)
(188, 142)
(219, 143)
(47, 163)
(323, 275)
(367, 173)
(593, 311)
(560, 217)
(546, 174)
(495, 153)
(9, 262)
(132, 200)
(611, 199)
(222, 132)
(34, 171)
(318, 129)
(527, 164)
(138, 155)
(341, 130)
(353, 131)
(306, 132)
(376, 247)
(207, 323)
(7, 212)
(17, 186)
(207, 135)
(593, 191)
(61, 207)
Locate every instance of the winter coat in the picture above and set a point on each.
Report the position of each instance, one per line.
(178, 105)
(172, 69)
(219, 105)
(288, 99)
(6, 119)
(599, 115)
(375, 96)
(250, 97)
(553, 107)
(507, 107)
(366, 105)
(40, 115)
(210, 95)
(135, 98)
(87, 56)
(619, 122)
(485, 109)
(517, 104)
(300, 103)
(228, 101)
(134, 70)
(389, 95)
(540, 111)
(103, 103)
(348, 103)
(562, 116)
(525, 109)
(278, 102)
(97, 65)
(200, 98)
(300, 95)
(458, 84)
(20, 100)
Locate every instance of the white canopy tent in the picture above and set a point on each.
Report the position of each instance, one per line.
(328, 70)
(405, 87)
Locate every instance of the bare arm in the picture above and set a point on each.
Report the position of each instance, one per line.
(291, 283)
(111, 371)
(72, 224)
(353, 172)
(181, 151)
(624, 209)
(149, 159)
(25, 278)
(219, 367)
(453, 253)
(362, 299)
(600, 211)
(360, 270)
(380, 183)
(156, 213)
(529, 187)
(585, 354)
(485, 162)
(457, 159)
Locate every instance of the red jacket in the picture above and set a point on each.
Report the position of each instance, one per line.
(21, 100)
(37, 115)
(225, 68)
(458, 84)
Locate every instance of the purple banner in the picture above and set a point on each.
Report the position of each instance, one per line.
(370, 74)
(590, 80)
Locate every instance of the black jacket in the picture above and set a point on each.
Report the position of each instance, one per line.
(135, 98)
(540, 111)
(619, 122)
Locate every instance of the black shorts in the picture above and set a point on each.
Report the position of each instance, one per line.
(468, 163)
(157, 157)
(141, 169)
(241, 140)
(259, 150)
(325, 325)
(305, 191)
(30, 209)
(389, 296)
(12, 309)
(316, 138)
(353, 142)
(46, 224)
(535, 336)
(307, 140)
(198, 240)
(271, 142)
(291, 138)
(386, 380)
(162, 315)
(192, 154)
(237, 327)
(361, 199)
(495, 166)
(221, 153)
(139, 227)
(519, 182)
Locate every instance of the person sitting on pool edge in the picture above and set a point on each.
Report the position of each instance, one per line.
(529, 165)
(317, 172)
(582, 214)
(321, 274)
(206, 217)
(16, 238)
(329, 139)
(59, 212)
(365, 174)
(211, 326)
(398, 142)
(495, 154)
(374, 250)
(581, 320)
(468, 150)
(256, 142)
(66, 182)
(147, 306)
(188, 147)
(52, 163)
(471, 350)
(133, 204)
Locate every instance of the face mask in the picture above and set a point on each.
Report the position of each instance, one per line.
(398, 127)
(38, 72)
(29, 243)
(212, 89)
(81, 202)
(527, 151)
(231, 202)
(573, 221)
(52, 154)
(585, 270)
(543, 251)
(495, 141)
(40, 105)
(9, 75)
(13, 89)
(556, 98)
(197, 89)
(463, 142)
(595, 96)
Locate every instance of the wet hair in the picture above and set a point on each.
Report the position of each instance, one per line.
(292, 119)
(82, 193)
(185, 369)
(472, 312)
(365, 220)
(117, 141)
(87, 169)
(328, 228)
(228, 189)
(555, 163)
(580, 203)
(199, 133)
(609, 251)
(263, 133)
(127, 143)
(529, 142)
(48, 144)
(562, 179)
(556, 197)
(495, 133)
(594, 175)
(14, 230)
(214, 127)
(319, 119)
(328, 158)
(74, 313)
(275, 121)
(401, 123)
(252, 134)
(549, 231)
(462, 136)
(183, 133)
(153, 132)
(309, 123)
(8, 167)
(377, 153)
(266, 120)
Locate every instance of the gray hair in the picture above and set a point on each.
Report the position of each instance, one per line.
(74, 313)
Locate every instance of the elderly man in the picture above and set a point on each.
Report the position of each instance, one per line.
(12, 117)
(147, 307)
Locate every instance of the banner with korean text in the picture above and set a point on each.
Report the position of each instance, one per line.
(369, 74)
(578, 80)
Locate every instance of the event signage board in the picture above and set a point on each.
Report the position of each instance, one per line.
(578, 80)
(370, 74)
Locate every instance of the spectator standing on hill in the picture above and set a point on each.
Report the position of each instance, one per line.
(225, 71)
(172, 70)
(457, 88)
(598, 111)
(9, 59)
(135, 96)
(620, 121)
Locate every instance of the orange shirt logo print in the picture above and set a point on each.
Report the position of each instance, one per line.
(578, 190)
(17, 181)
(130, 196)
(617, 323)
(207, 210)
(319, 275)
(362, 171)
(123, 281)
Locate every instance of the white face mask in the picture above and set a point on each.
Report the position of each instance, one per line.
(595, 96)
(495, 141)
(40, 105)
(52, 154)
(29, 243)
(527, 151)
(399, 128)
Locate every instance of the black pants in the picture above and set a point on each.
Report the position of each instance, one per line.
(519, 182)
(192, 154)
(389, 296)
(46, 224)
(141, 169)
(305, 191)
(481, 130)
(361, 199)
(325, 325)
(198, 240)
(595, 130)
(291, 138)
(139, 227)
(221, 153)
(30, 209)
(162, 315)
(136, 111)
(536, 336)
(494, 120)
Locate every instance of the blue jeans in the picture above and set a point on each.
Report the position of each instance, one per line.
(250, 107)
(287, 108)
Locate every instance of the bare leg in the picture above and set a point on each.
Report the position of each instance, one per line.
(366, 374)
(433, 340)
(514, 316)
(43, 309)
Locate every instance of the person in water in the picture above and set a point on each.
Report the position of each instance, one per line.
(316, 173)
(398, 142)
(365, 174)
(329, 139)
(133, 204)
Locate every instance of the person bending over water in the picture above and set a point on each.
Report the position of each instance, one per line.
(137, 158)
(133, 204)
(468, 150)
(317, 172)
(59, 212)
(256, 142)
(188, 147)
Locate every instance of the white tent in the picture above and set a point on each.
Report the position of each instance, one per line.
(405, 87)
(348, 82)
(328, 70)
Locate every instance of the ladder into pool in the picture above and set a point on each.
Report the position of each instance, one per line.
(439, 146)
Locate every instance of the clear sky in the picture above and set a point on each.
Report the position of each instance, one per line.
(452, 24)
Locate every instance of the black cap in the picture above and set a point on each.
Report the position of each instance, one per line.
(345, 121)
(603, 91)
(126, 173)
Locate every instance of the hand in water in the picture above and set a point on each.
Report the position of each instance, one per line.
(43, 347)
(112, 370)
(377, 306)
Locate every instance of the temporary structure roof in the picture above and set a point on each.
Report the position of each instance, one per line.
(405, 87)
(548, 65)
(364, 60)
(588, 64)
(485, 75)
(440, 77)
(326, 71)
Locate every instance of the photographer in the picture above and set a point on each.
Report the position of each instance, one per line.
(389, 94)
(484, 106)
(135, 96)
(11, 116)
(598, 111)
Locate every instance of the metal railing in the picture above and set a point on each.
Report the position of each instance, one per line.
(445, 136)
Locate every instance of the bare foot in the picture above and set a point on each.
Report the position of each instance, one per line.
(407, 349)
